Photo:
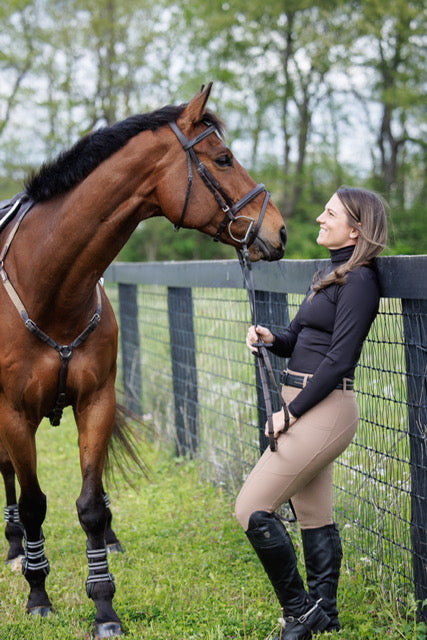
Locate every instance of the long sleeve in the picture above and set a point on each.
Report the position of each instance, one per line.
(285, 341)
(356, 306)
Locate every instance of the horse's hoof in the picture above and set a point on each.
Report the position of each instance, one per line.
(115, 547)
(107, 630)
(40, 611)
(15, 564)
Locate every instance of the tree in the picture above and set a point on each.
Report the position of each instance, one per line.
(285, 73)
(279, 57)
(392, 39)
(16, 20)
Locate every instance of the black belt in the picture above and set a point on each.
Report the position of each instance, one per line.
(292, 380)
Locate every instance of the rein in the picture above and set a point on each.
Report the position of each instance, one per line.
(65, 351)
(230, 210)
(263, 359)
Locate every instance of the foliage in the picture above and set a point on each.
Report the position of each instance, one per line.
(187, 569)
(315, 94)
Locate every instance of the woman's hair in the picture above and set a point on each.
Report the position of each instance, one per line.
(366, 212)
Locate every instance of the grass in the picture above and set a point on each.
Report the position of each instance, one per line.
(188, 572)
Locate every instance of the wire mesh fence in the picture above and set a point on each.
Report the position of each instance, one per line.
(192, 377)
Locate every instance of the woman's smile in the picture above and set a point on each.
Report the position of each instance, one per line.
(335, 231)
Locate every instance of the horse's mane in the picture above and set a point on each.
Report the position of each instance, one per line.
(74, 165)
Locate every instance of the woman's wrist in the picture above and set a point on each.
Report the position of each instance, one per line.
(292, 418)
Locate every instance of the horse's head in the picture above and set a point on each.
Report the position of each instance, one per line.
(209, 190)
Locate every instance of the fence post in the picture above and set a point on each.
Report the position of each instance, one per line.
(129, 334)
(414, 315)
(273, 312)
(184, 370)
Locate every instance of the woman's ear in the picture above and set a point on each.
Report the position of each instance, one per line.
(354, 233)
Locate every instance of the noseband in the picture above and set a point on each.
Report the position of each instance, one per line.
(225, 203)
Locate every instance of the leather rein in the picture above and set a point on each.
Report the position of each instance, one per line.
(230, 210)
(263, 359)
(23, 204)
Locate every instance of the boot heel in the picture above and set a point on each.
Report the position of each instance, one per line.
(301, 627)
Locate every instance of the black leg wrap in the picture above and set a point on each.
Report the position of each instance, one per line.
(323, 553)
(275, 550)
(98, 569)
(35, 559)
(11, 515)
(14, 533)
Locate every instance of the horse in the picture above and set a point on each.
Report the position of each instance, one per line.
(58, 332)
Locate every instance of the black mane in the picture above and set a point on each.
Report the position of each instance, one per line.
(74, 165)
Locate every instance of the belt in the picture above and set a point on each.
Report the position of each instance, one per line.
(292, 380)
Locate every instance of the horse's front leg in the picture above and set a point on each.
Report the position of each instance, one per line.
(14, 530)
(111, 540)
(95, 424)
(19, 440)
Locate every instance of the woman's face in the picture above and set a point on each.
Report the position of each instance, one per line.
(335, 232)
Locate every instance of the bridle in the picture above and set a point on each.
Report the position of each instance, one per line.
(224, 201)
(231, 210)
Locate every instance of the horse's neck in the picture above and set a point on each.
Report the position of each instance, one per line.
(65, 245)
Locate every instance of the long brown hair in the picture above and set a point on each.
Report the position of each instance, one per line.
(367, 212)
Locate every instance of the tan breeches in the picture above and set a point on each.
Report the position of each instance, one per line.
(301, 468)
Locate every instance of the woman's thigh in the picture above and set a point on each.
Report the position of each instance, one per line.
(308, 447)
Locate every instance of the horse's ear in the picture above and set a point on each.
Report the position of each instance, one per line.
(195, 109)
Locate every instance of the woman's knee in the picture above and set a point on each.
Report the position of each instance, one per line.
(242, 513)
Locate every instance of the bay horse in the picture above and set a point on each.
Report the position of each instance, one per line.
(58, 332)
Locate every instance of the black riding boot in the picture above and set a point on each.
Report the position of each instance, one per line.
(323, 553)
(274, 548)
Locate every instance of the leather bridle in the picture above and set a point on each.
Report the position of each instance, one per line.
(231, 210)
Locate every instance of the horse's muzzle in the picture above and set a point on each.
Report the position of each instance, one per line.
(263, 249)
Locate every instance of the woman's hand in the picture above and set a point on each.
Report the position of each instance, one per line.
(255, 334)
(279, 423)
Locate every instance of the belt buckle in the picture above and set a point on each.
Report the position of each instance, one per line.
(283, 376)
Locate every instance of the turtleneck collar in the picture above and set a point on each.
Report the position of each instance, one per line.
(343, 254)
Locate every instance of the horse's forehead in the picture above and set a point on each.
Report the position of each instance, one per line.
(216, 142)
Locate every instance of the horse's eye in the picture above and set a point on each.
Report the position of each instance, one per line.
(224, 161)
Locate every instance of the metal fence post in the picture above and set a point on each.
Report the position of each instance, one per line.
(273, 312)
(129, 333)
(414, 313)
(184, 370)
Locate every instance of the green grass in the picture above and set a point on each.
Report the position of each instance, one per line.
(188, 571)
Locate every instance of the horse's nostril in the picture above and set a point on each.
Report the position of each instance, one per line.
(283, 236)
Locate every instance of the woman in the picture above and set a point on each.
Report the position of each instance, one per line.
(323, 343)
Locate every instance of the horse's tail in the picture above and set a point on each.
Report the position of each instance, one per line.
(123, 448)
